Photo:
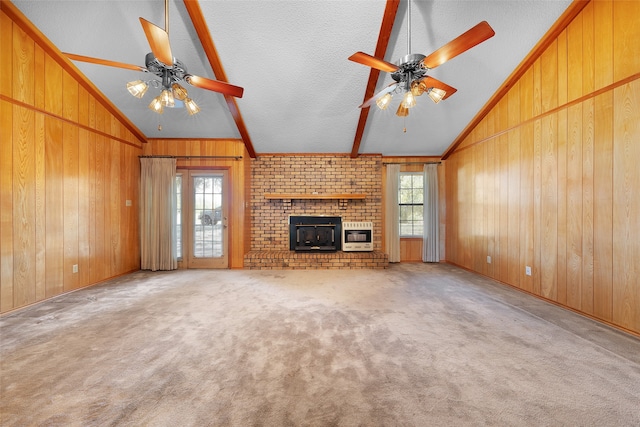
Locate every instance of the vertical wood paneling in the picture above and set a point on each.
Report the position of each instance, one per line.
(40, 208)
(563, 121)
(23, 73)
(83, 207)
(49, 207)
(549, 77)
(491, 192)
(587, 206)
(52, 86)
(98, 256)
(114, 208)
(54, 199)
(537, 203)
(537, 87)
(549, 209)
(503, 258)
(626, 38)
(603, 43)
(39, 76)
(588, 43)
(513, 233)
(69, 97)
(574, 59)
(6, 206)
(70, 205)
(603, 207)
(106, 207)
(24, 209)
(574, 207)
(526, 94)
(563, 75)
(92, 208)
(6, 55)
(526, 208)
(626, 206)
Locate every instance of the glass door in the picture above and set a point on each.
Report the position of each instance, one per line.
(206, 241)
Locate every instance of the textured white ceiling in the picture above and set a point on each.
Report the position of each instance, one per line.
(301, 93)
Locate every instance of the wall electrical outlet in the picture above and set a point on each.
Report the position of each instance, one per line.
(127, 203)
(75, 268)
(527, 270)
(488, 259)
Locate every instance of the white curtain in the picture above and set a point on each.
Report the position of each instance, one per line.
(431, 234)
(392, 214)
(158, 214)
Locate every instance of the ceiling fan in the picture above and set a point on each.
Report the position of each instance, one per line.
(161, 62)
(410, 75)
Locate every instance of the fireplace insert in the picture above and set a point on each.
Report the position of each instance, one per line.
(315, 233)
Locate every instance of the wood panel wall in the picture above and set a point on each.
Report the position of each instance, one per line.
(549, 178)
(237, 176)
(67, 166)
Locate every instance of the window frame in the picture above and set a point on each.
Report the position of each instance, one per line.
(413, 204)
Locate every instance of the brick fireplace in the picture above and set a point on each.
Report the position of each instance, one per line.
(313, 185)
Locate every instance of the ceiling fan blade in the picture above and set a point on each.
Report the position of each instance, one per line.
(431, 82)
(384, 91)
(158, 41)
(460, 44)
(373, 62)
(215, 85)
(106, 62)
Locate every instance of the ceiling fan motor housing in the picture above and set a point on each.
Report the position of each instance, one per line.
(176, 72)
(410, 68)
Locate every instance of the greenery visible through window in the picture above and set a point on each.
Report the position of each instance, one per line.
(411, 200)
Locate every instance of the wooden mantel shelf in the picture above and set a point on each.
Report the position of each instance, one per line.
(290, 196)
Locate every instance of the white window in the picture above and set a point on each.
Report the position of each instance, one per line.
(411, 201)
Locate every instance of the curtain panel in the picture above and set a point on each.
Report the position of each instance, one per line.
(431, 229)
(158, 214)
(392, 214)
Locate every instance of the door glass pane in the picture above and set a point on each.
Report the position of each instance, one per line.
(207, 224)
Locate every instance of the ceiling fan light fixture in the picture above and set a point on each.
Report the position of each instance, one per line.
(166, 97)
(409, 100)
(137, 88)
(191, 106)
(436, 94)
(402, 110)
(156, 105)
(384, 101)
(179, 92)
(418, 88)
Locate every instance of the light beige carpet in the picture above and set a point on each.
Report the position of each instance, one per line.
(414, 345)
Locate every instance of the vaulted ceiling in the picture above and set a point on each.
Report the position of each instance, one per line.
(301, 93)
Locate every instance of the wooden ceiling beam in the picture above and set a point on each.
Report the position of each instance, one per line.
(200, 25)
(388, 19)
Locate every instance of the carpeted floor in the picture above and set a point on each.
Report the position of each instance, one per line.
(414, 345)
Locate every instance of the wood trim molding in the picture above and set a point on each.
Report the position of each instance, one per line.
(565, 19)
(27, 26)
(200, 25)
(388, 19)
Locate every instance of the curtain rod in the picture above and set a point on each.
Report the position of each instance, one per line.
(191, 157)
(411, 163)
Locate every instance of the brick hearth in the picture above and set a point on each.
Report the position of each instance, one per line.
(291, 260)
